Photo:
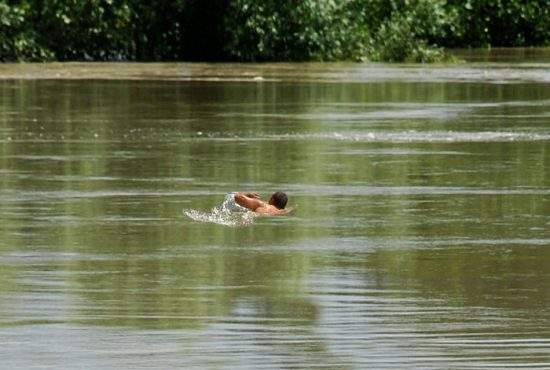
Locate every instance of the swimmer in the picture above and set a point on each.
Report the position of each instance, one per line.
(274, 206)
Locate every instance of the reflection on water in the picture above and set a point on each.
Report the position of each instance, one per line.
(419, 237)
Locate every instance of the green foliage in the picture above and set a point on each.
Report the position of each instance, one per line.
(291, 30)
(175, 30)
(409, 28)
(17, 40)
(395, 40)
(501, 22)
(251, 30)
(90, 29)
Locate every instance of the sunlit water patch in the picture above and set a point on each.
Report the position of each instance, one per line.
(419, 136)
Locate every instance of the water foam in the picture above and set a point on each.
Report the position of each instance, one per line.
(223, 214)
(412, 136)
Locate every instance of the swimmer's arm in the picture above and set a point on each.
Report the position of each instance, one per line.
(251, 194)
(251, 202)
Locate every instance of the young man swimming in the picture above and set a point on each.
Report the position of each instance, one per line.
(275, 206)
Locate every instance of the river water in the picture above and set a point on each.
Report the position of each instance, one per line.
(419, 236)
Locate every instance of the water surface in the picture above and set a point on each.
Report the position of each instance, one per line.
(419, 236)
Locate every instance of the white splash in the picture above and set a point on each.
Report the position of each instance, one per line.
(223, 214)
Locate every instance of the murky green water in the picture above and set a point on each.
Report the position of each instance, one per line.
(420, 235)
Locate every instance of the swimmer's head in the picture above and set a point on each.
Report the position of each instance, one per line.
(278, 200)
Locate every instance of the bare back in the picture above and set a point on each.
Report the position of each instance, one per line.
(252, 202)
(271, 210)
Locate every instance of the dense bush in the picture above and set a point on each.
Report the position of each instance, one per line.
(295, 30)
(156, 29)
(500, 22)
(411, 30)
(18, 41)
(91, 29)
(252, 30)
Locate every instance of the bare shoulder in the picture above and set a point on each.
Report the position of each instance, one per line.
(284, 211)
(269, 210)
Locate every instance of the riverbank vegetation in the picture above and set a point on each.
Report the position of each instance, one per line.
(269, 30)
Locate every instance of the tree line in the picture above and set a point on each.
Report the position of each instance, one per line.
(267, 30)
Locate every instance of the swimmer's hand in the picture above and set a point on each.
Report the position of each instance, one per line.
(253, 195)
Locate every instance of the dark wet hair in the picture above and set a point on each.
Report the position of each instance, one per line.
(279, 199)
